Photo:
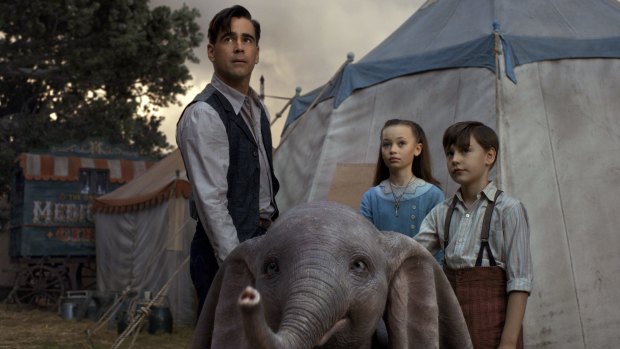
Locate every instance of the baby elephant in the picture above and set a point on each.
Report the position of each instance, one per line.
(325, 277)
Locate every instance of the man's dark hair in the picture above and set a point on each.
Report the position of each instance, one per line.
(459, 134)
(221, 22)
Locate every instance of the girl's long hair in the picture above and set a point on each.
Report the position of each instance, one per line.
(421, 165)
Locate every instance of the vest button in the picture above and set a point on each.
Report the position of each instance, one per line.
(255, 153)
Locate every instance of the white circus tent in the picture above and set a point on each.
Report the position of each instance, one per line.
(546, 76)
(143, 236)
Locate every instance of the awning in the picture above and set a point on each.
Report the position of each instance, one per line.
(66, 168)
(165, 180)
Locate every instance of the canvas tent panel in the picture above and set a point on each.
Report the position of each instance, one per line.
(552, 315)
(560, 133)
(345, 142)
(560, 19)
(585, 136)
(134, 250)
(114, 255)
(432, 29)
(295, 165)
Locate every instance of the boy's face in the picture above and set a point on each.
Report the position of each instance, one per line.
(235, 53)
(470, 167)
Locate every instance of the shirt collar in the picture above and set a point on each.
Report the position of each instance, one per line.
(233, 96)
(488, 192)
(387, 188)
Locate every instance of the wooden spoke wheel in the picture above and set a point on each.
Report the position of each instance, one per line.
(40, 285)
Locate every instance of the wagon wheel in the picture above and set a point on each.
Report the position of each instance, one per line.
(39, 285)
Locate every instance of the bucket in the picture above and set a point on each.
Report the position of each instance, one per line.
(160, 320)
(67, 310)
(92, 311)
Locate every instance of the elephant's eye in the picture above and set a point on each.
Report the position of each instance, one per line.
(271, 267)
(359, 266)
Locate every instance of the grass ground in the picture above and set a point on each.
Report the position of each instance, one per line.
(36, 329)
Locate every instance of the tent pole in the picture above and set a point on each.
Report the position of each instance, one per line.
(499, 110)
(288, 103)
(331, 81)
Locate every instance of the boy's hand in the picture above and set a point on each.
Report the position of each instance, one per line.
(515, 310)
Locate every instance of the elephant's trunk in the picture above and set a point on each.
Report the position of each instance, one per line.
(254, 325)
(310, 319)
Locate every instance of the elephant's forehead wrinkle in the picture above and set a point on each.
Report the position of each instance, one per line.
(323, 221)
(320, 269)
(318, 288)
(328, 239)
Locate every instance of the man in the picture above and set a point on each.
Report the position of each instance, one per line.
(225, 141)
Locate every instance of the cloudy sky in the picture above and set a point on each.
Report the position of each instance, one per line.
(302, 43)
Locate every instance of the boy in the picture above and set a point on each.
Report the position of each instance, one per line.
(484, 234)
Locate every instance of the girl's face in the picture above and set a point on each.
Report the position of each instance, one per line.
(398, 147)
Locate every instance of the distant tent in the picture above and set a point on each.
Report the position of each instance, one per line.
(143, 233)
(551, 92)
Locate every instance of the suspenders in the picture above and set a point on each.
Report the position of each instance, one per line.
(484, 236)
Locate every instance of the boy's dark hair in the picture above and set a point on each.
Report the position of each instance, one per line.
(459, 134)
(221, 22)
(421, 166)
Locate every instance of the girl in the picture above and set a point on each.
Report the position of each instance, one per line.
(405, 190)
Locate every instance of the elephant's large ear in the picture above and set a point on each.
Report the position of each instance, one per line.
(422, 310)
(220, 324)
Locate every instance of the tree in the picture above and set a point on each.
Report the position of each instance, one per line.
(77, 69)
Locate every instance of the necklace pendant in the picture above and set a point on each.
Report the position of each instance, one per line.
(396, 207)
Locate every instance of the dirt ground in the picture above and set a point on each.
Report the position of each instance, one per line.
(36, 329)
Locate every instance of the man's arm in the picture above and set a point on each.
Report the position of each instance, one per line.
(514, 318)
(202, 139)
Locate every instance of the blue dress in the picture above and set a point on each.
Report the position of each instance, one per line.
(378, 205)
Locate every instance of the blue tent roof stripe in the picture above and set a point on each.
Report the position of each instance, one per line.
(461, 33)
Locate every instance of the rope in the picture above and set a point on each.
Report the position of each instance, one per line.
(106, 316)
(144, 312)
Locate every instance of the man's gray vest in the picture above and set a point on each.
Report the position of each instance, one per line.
(244, 167)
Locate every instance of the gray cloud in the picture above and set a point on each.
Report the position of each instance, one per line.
(302, 43)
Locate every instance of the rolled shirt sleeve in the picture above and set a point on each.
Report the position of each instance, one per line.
(517, 248)
(203, 142)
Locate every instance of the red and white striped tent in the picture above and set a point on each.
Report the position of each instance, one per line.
(66, 168)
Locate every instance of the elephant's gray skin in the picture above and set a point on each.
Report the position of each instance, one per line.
(324, 277)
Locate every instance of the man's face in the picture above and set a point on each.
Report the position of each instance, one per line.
(235, 53)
